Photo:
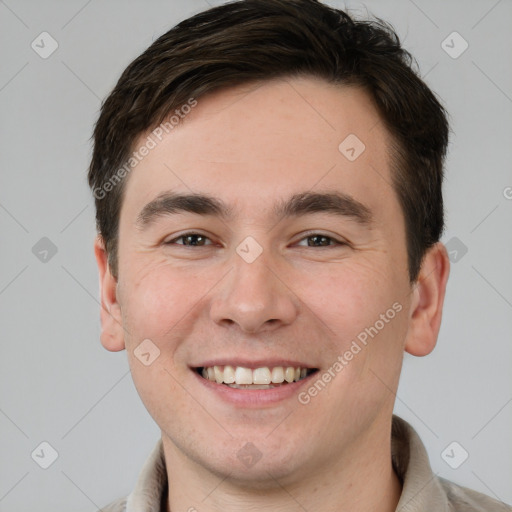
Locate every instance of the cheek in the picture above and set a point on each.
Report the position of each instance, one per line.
(159, 388)
(348, 297)
(163, 303)
(157, 305)
(148, 309)
(364, 319)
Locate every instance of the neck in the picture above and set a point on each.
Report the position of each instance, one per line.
(360, 479)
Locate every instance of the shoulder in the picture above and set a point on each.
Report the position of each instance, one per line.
(116, 506)
(462, 499)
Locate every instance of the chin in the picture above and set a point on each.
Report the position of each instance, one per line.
(266, 473)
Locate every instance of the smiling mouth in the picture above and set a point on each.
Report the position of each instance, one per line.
(240, 377)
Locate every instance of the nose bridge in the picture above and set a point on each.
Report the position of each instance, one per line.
(252, 295)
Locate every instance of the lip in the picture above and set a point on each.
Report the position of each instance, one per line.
(253, 398)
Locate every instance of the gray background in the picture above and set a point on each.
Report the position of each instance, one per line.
(57, 384)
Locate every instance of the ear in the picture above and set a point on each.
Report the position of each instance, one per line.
(112, 332)
(427, 302)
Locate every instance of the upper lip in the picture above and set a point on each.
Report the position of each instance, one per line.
(252, 364)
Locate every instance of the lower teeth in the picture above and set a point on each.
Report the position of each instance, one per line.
(252, 386)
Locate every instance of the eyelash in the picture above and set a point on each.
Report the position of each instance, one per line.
(309, 235)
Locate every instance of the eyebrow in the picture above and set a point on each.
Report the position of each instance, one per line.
(336, 203)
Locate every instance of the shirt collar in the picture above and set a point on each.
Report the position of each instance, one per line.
(422, 490)
(149, 491)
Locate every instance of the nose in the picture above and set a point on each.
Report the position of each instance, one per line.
(254, 296)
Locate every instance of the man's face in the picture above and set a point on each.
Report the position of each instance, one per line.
(263, 289)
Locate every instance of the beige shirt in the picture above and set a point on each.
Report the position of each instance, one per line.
(422, 490)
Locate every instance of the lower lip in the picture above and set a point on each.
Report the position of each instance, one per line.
(254, 397)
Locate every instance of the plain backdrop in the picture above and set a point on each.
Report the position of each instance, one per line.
(59, 386)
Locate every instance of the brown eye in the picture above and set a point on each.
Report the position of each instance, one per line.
(319, 240)
(190, 240)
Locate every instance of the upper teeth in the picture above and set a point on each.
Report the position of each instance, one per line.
(240, 375)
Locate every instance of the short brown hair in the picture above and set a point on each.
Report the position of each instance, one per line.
(252, 40)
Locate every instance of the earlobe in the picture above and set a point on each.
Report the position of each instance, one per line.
(427, 302)
(112, 332)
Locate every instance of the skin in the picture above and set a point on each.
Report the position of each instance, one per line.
(252, 146)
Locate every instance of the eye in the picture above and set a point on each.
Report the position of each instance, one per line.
(320, 240)
(189, 240)
(193, 239)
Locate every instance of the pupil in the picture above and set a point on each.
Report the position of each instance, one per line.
(195, 238)
(316, 238)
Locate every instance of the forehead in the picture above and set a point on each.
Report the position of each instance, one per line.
(256, 143)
